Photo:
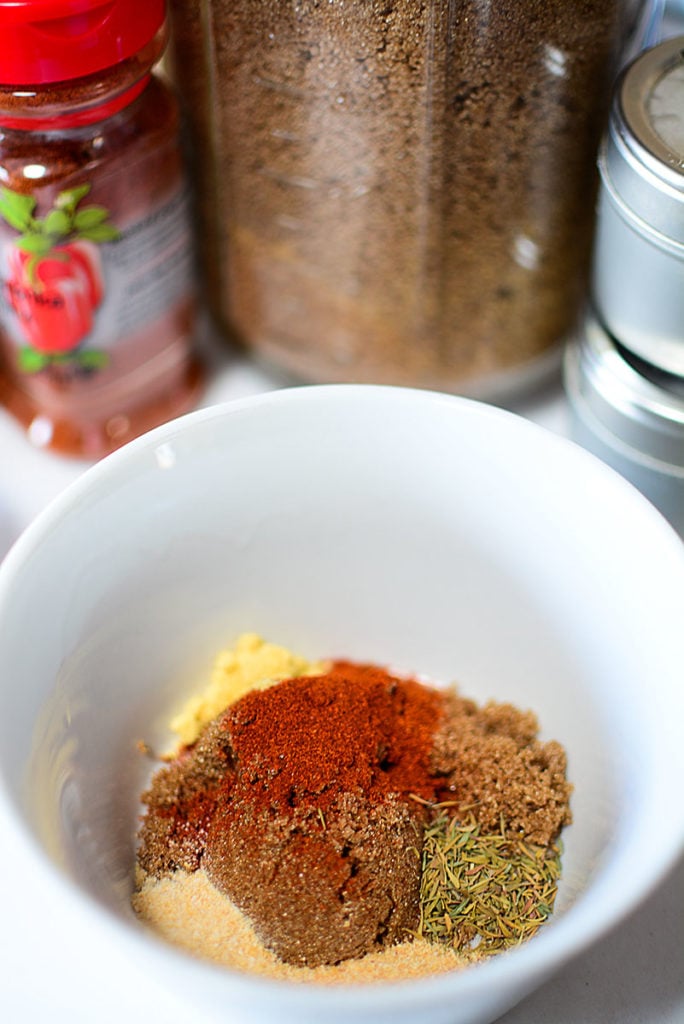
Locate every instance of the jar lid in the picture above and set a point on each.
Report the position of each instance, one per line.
(44, 41)
(640, 406)
(642, 157)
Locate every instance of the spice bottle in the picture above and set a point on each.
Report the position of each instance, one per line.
(399, 192)
(96, 260)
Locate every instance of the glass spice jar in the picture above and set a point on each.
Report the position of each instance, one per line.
(399, 192)
(97, 276)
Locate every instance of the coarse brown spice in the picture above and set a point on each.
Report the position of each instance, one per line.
(494, 768)
(398, 192)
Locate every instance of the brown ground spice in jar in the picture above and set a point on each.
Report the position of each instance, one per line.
(398, 192)
(305, 803)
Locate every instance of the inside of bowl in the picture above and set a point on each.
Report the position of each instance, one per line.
(447, 546)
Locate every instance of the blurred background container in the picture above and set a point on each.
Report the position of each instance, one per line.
(400, 193)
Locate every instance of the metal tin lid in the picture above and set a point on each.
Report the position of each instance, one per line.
(642, 157)
(640, 406)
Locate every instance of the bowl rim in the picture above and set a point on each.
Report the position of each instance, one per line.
(562, 939)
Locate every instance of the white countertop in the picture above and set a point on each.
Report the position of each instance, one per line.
(634, 976)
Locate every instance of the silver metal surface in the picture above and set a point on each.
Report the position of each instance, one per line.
(638, 276)
(629, 414)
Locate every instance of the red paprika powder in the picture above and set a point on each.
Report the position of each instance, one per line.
(357, 729)
(96, 258)
(300, 744)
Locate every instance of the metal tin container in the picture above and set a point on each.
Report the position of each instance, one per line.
(638, 276)
(630, 414)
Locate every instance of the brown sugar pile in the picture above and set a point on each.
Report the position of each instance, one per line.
(494, 767)
(305, 804)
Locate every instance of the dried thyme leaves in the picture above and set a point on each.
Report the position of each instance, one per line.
(482, 893)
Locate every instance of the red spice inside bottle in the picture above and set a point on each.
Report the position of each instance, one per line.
(97, 277)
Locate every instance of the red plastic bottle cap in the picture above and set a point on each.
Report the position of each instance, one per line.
(45, 41)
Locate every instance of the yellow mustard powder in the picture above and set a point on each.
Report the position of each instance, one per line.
(252, 664)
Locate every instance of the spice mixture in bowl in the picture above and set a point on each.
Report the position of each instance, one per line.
(414, 543)
(349, 812)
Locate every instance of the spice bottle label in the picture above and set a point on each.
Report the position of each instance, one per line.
(73, 284)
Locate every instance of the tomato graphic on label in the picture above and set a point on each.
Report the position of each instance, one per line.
(55, 299)
(54, 280)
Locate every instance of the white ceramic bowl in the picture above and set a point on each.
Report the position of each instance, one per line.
(433, 533)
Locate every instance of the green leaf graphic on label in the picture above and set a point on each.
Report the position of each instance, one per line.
(89, 216)
(64, 223)
(99, 233)
(57, 223)
(38, 244)
(55, 283)
(31, 361)
(70, 198)
(16, 209)
(93, 360)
